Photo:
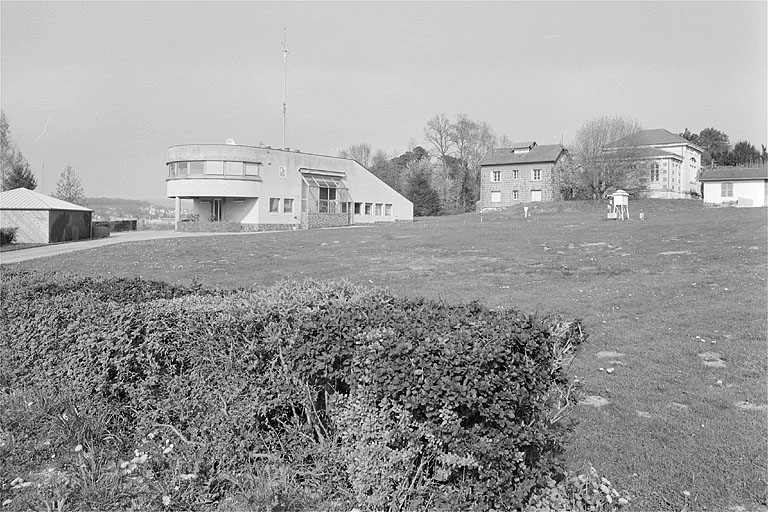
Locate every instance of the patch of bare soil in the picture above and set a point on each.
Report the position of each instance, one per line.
(595, 401)
(608, 353)
(748, 406)
(712, 359)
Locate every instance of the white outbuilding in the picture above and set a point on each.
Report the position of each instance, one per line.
(43, 219)
(738, 186)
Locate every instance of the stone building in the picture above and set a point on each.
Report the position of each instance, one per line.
(523, 173)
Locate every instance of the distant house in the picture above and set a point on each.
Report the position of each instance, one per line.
(523, 173)
(43, 219)
(259, 188)
(672, 163)
(740, 186)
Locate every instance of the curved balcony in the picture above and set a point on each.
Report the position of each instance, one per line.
(213, 186)
(216, 170)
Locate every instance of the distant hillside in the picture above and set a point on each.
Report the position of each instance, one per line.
(113, 208)
(115, 201)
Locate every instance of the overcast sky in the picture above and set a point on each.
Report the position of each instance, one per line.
(108, 86)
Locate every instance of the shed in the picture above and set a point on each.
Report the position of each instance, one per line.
(739, 186)
(43, 219)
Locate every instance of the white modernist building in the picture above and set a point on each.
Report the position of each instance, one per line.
(235, 187)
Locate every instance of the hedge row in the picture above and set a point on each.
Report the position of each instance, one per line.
(409, 402)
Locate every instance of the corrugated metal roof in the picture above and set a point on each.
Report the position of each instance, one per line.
(538, 154)
(734, 174)
(25, 199)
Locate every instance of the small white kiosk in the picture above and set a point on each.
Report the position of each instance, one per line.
(620, 205)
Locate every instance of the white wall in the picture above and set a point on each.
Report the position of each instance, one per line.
(746, 192)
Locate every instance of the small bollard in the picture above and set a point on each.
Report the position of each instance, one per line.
(642, 216)
(525, 211)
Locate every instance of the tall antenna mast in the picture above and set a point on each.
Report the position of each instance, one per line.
(285, 75)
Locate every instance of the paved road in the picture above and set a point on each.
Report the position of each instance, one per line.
(44, 251)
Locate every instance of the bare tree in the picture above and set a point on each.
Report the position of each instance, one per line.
(361, 153)
(438, 134)
(599, 164)
(472, 140)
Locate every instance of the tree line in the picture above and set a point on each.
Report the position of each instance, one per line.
(443, 176)
(718, 151)
(15, 171)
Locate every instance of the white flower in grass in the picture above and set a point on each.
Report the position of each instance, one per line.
(79, 448)
(168, 449)
(7, 502)
(623, 501)
(166, 500)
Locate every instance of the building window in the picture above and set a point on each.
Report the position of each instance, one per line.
(287, 205)
(183, 168)
(358, 206)
(496, 196)
(368, 208)
(496, 177)
(196, 167)
(274, 205)
(388, 210)
(378, 209)
(327, 202)
(515, 194)
(172, 169)
(344, 207)
(726, 189)
(536, 175)
(281, 171)
(654, 172)
(514, 175)
(214, 167)
(251, 169)
(233, 168)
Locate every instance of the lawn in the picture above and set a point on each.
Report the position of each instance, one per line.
(675, 306)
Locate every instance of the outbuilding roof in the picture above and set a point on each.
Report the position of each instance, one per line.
(25, 199)
(734, 174)
(655, 137)
(538, 154)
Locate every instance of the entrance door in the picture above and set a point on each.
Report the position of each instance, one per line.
(535, 195)
(216, 210)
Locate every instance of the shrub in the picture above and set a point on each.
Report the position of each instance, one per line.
(401, 403)
(8, 235)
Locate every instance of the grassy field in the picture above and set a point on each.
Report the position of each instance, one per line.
(675, 305)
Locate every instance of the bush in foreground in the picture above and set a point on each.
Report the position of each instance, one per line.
(302, 396)
(7, 235)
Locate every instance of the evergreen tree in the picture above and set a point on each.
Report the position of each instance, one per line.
(20, 175)
(14, 168)
(425, 199)
(69, 188)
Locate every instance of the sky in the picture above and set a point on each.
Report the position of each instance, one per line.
(107, 87)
